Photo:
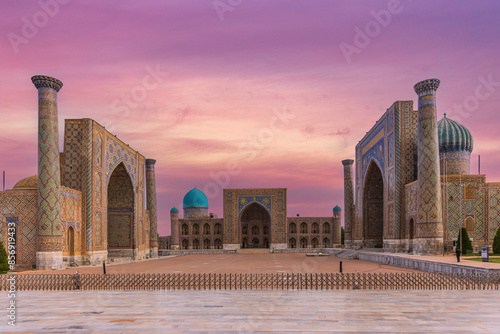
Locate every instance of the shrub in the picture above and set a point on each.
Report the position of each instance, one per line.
(4, 266)
(496, 242)
(466, 244)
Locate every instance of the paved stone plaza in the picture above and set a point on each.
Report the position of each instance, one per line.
(238, 263)
(256, 311)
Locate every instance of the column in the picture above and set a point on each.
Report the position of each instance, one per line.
(151, 206)
(429, 225)
(49, 239)
(348, 202)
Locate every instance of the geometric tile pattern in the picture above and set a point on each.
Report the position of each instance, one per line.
(151, 200)
(22, 205)
(348, 197)
(272, 199)
(49, 221)
(430, 221)
(120, 230)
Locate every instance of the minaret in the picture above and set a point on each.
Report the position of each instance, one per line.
(49, 239)
(174, 229)
(429, 226)
(151, 206)
(337, 228)
(348, 202)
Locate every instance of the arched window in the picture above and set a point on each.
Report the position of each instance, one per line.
(206, 243)
(185, 244)
(218, 244)
(293, 228)
(303, 243)
(326, 243)
(218, 229)
(206, 229)
(255, 230)
(196, 244)
(184, 229)
(244, 229)
(470, 224)
(315, 243)
(292, 243)
(244, 243)
(326, 227)
(470, 192)
(315, 227)
(196, 229)
(303, 228)
(266, 230)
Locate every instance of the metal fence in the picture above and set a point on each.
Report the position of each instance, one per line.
(278, 281)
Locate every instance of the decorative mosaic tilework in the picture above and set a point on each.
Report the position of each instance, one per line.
(391, 145)
(98, 228)
(151, 198)
(98, 189)
(375, 153)
(244, 201)
(23, 206)
(117, 153)
(120, 230)
(276, 204)
(48, 217)
(430, 209)
(73, 137)
(348, 197)
(494, 210)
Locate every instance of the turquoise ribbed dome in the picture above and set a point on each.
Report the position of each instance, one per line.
(453, 137)
(195, 198)
(337, 208)
(174, 210)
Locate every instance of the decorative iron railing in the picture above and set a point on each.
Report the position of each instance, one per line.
(277, 281)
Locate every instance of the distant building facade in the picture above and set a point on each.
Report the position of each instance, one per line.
(413, 190)
(253, 218)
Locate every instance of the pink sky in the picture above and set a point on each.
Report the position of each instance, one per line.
(227, 70)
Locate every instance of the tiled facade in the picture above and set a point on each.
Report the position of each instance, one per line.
(100, 182)
(403, 201)
(253, 218)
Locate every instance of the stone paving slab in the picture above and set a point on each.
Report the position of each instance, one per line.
(255, 311)
(236, 264)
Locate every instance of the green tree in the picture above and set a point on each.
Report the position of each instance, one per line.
(4, 266)
(466, 244)
(342, 235)
(496, 242)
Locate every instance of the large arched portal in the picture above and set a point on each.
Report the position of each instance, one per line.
(255, 226)
(373, 207)
(120, 213)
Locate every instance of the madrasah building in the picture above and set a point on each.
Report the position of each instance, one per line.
(413, 190)
(253, 218)
(93, 202)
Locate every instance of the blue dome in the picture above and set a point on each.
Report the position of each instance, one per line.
(174, 210)
(453, 137)
(195, 198)
(337, 208)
